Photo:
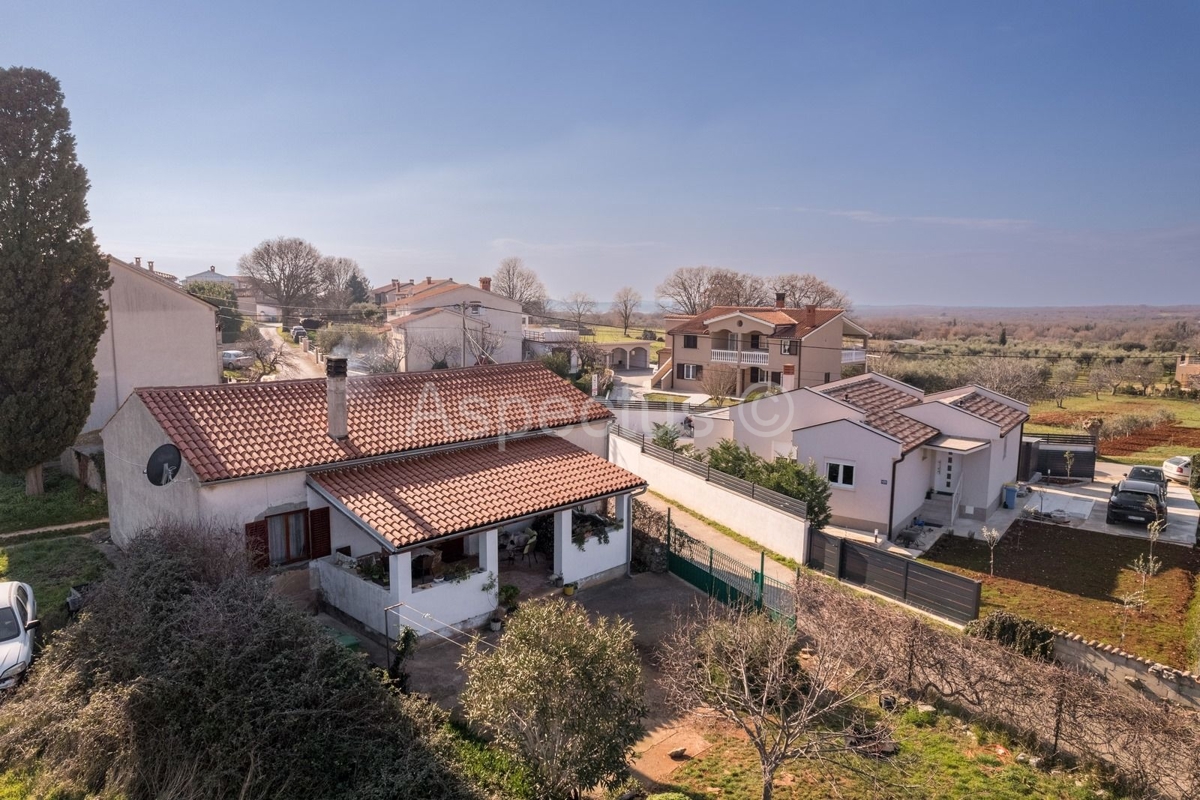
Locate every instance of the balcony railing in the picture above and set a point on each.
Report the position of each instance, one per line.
(755, 357)
(854, 355)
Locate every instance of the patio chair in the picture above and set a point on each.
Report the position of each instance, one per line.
(530, 551)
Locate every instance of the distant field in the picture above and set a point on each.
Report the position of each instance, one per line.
(1151, 446)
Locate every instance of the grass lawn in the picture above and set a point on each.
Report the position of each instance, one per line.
(60, 504)
(1073, 579)
(1148, 447)
(936, 759)
(664, 397)
(51, 567)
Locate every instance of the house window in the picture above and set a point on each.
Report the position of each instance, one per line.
(840, 474)
(688, 372)
(776, 378)
(475, 309)
(287, 537)
(755, 339)
(826, 377)
(690, 341)
(788, 347)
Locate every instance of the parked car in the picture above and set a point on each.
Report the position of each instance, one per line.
(1178, 468)
(1149, 475)
(236, 359)
(18, 631)
(1136, 501)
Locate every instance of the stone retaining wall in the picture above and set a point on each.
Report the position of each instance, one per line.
(1131, 673)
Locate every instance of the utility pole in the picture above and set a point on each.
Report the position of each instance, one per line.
(463, 309)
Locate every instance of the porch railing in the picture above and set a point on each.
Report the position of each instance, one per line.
(755, 357)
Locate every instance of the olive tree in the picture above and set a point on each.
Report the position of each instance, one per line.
(561, 693)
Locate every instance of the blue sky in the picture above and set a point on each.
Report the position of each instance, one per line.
(950, 153)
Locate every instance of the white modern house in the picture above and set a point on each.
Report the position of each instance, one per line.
(389, 494)
(157, 334)
(440, 320)
(891, 452)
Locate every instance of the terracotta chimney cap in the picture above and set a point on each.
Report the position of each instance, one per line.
(780, 299)
(485, 284)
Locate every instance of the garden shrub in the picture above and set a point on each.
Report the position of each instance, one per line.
(188, 677)
(1194, 481)
(783, 475)
(1029, 638)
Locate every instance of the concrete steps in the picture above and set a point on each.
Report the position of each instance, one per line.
(937, 509)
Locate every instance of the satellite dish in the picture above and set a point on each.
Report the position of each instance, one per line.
(163, 465)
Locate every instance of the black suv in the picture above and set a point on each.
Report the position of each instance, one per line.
(1153, 475)
(1136, 501)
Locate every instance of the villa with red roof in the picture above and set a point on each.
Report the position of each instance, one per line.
(788, 348)
(405, 499)
(891, 453)
(441, 323)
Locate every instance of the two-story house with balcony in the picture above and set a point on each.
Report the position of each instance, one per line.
(786, 347)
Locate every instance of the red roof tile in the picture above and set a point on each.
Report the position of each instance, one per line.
(1002, 414)
(790, 323)
(415, 499)
(911, 433)
(241, 429)
(870, 394)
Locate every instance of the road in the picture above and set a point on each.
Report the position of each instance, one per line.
(299, 366)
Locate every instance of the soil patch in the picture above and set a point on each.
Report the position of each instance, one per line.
(1160, 436)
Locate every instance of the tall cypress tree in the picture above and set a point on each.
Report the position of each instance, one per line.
(51, 277)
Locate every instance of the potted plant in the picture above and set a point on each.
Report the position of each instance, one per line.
(569, 588)
(508, 596)
(497, 620)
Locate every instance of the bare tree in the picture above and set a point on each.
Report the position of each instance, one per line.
(719, 381)
(442, 350)
(578, 305)
(270, 355)
(805, 289)
(1144, 372)
(991, 536)
(518, 282)
(336, 281)
(1062, 381)
(483, 345)
(625, 303)
(732, 288)
(687, 290)
(392, 356)
(796, 691)
(287, 269)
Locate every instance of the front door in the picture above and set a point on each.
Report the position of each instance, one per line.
(948, 467)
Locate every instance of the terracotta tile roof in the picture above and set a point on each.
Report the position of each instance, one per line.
(400, 322)
(1002, 414)
(909, 431)
(869, 395)
(412, 500)
(240, 429)
(790, 323)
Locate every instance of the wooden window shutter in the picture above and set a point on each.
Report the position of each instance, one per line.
(318, 532)
(679, 371)
(257, 544)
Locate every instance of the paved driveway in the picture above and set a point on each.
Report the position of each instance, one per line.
(1182, 512)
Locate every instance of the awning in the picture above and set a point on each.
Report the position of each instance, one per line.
(407, 501)
(957, 444)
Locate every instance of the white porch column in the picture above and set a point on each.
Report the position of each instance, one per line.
(400, 583)
(562, 537)
(625, 512)
(489, 556)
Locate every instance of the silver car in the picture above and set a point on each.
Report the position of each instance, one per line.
(18, 631)
(1178, 468)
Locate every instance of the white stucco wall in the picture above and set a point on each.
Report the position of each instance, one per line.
(865, 507)
(156, 335)
(457, 605)
(984, 473)
(711, 430)
(343, 531)
(766, 425)
(590, 436)
(770, 527)
(643, 421)
(914, 476)
(576, 565)
(345, 590)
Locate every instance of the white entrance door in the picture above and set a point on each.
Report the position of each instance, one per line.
(948, 467)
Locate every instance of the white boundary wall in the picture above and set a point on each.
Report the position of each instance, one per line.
(359, 598)
(770, 527)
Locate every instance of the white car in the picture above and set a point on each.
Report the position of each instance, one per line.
(1178, 468)
(235, 359)
(18, 629)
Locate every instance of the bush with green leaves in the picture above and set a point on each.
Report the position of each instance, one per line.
(784, 475)
(1194, 481)
(1030, 639)
(666, 436)
(560, 693)
(188, 677)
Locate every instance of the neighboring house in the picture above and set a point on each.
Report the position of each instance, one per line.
(786, 347)
(390, 292)
(1187, 371)
(266, 309)
(387, 470)
(211, 275)
(890, 452)
(156, 334)
(437, 318)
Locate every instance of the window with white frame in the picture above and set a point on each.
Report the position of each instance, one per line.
(688, 372)
(840, 474)
(787, 347)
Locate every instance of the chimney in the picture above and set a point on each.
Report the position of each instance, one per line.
(428, 280)
(137, 261)
(780, 299)
(213, 268)
(485, 284)
(811, 311)
(335, 392)
(150, 264)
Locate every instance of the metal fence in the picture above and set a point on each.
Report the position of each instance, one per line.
(724, 577)
(788, 505)
(650, 405)
(946, 594)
